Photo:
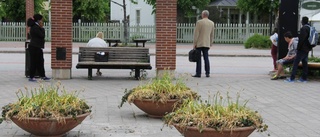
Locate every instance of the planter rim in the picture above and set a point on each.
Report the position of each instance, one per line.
(54, 119)
(148, 100)
(212, 129)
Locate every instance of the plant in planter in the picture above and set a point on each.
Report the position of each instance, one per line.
(215, 118)
(159, 96)
(46, 111)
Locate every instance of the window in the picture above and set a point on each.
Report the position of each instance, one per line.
(138, 16)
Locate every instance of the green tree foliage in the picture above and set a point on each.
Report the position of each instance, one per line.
(91, 10)
(15, 10)
(258, 6)
(184, 5)
(2, 13)
(258, 41)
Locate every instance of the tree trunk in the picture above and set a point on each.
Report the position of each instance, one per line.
(125, 23)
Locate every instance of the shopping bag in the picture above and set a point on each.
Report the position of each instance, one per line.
(101, 57)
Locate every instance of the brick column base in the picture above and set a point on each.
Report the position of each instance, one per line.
(61, 73)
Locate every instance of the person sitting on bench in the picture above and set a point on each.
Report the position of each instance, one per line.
(97, 42)
(289, 58)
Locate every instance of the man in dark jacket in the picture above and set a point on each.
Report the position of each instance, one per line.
(302, 52)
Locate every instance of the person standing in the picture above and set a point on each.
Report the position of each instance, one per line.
(97, 42)
(274, 48)
(202, 41)
(36, 46)
(302, 52)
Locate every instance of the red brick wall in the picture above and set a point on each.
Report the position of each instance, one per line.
(29, 12)
(61, 32)
(166, 37)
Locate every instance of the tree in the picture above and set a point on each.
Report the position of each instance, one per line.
(2, 13)
(125, 20)
(258, 7)
(91, 10)
(15, 10)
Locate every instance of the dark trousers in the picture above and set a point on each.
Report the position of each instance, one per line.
(206, 61)
(36, 61)
(301, 56)
(274, 54)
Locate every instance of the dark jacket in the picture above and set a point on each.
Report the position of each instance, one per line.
(37, 35)
(304, 44)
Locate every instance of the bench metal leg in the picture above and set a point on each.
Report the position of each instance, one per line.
(137, 73)
(90, 73)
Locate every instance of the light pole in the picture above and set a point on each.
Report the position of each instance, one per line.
(271, 14)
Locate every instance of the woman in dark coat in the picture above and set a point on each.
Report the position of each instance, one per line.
(36, 46)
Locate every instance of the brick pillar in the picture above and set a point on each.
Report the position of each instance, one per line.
(29, 13)
(166, 34)
(61, 38)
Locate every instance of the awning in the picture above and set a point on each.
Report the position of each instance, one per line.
(223, 3)
(315, 17)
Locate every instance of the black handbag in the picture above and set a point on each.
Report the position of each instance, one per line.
(194, 55)
(101, 57)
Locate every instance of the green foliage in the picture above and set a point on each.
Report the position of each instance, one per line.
(258, 41)
(2, 13)
(184, 5)
(160, 89)
(16, 9)
(47, 101)
(314, 59)
(136, 36)
(218, 113)
(93, 10)
(257, 6)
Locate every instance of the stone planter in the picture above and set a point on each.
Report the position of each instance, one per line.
(155, 109)
(48, 127)
(209, 132)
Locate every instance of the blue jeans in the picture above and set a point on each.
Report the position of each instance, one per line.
(206, 61)
(301, 56)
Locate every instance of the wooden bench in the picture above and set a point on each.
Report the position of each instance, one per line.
(311, 66)
(135, 58)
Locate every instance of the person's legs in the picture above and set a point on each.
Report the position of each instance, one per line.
(98, 72)
(40, 63)
(206, 61)
(304, 66)
(274, 51)
(280, 70)
(33, 60)
(295, 65)
(198, 65)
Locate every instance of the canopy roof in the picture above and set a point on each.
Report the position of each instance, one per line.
(315, 17)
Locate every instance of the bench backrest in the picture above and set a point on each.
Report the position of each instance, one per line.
(116, 54)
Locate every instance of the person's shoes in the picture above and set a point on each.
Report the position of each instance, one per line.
(99, 73)
(207, 75)
(45, 78)
(302, 80)
(275, 77)
(196, 76)
(32, 80)
(282, 77)
(288, 80)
